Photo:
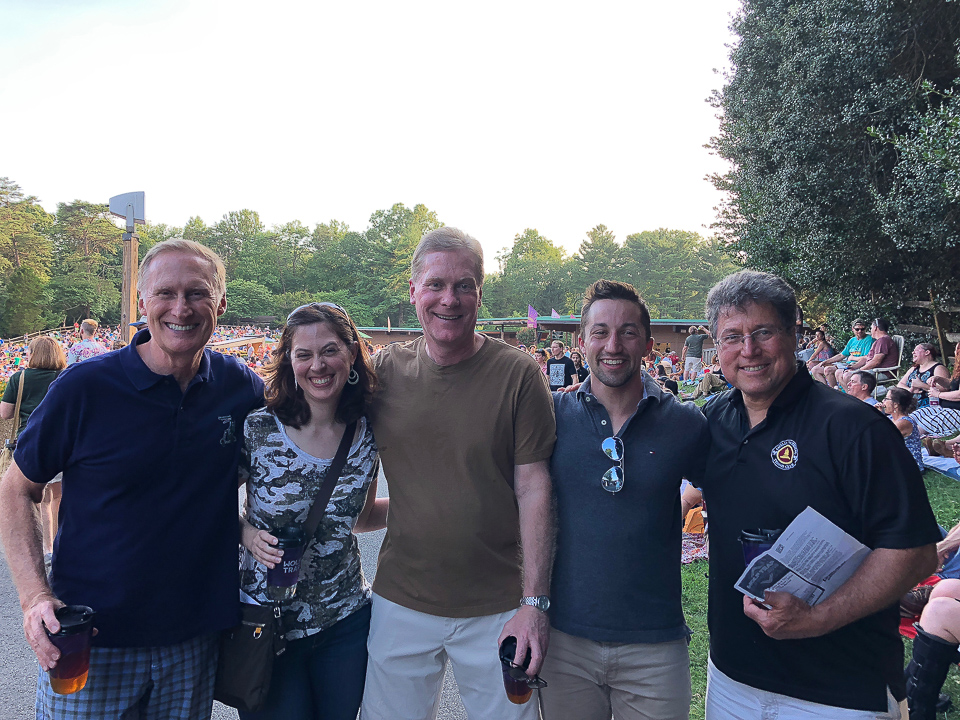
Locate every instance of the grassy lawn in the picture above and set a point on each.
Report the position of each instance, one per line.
(944, 498)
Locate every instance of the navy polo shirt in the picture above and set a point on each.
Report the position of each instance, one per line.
(821, 448)
(616, 577)
(148, 522)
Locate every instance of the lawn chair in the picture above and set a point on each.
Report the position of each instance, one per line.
(890, 372)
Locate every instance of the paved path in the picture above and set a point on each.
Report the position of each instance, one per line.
(19, 669)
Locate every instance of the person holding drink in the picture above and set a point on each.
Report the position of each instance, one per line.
(319, 385)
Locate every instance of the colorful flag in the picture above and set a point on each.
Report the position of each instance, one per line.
(531, 317)
(554, 313)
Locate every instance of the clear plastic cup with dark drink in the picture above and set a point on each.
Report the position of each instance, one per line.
(516, 682)
(282, 578)
(73, 641)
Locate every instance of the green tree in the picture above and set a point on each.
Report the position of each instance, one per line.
(599, 257)
(24, 305)
(534, 272)
(247, 299)
(23, 227)
(809, 79)
(87, 269)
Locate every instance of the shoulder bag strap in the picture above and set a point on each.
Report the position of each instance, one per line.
(16, 409)
(330, 481)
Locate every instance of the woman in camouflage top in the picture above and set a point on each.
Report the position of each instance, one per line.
(319, 381)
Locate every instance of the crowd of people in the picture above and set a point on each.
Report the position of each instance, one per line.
(545, 524)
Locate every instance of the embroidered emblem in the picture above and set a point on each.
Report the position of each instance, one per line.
(229, 435)
(785, 455)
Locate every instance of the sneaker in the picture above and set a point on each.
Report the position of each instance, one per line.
(913, 602)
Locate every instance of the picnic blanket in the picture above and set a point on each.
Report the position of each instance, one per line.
(694, 548)
(945, 466)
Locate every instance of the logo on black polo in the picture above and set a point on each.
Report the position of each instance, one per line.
(785, 455)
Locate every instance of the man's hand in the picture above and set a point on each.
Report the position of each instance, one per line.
(38, 613)
(789, 617)
(531, 628)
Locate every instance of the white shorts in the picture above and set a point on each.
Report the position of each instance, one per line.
(691, 364)
(728, 699)
(408, 652)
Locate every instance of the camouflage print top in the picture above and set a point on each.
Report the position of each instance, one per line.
(282, 482)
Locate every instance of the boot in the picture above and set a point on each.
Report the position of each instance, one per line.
(932, 658)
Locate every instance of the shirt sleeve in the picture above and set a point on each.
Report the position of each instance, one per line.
(885, 489)
(10, 391)
(46, 444)
(535, 428)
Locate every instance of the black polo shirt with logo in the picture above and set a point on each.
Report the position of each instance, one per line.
(821, 448)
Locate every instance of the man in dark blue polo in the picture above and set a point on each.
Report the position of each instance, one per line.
(619, 640)
(148, 440)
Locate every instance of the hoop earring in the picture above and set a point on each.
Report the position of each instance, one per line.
(354, 377)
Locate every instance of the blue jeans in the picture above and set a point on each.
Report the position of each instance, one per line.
(320, 677)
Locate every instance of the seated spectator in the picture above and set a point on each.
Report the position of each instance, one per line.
(861, 384)
(898, 404)
(925, 366)
(857, 347)
(883, 352)
(934, 649)
(821, 349)
(712, 379)
(941, 418)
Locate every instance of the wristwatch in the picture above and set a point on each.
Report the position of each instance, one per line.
(540, 602)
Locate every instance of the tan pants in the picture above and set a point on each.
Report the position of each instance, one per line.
(589, 680)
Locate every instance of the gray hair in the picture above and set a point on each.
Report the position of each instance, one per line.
(190, 248)
(447, 239)
(749, 287)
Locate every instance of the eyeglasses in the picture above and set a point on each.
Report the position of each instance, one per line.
(316, 305)
(612, 480)
(762, 336)
(859, 327)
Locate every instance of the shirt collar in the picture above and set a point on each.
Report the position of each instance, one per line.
(143, 377)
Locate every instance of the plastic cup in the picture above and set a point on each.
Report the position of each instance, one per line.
(518, 690)
(756, 541)
(73, 640)
(282, 578)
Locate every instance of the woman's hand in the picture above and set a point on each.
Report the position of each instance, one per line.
(260, 543)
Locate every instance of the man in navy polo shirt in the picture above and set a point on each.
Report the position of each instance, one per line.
(148, 440)
(619, 640)
(781, 442)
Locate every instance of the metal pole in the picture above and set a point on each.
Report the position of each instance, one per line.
(128, 302)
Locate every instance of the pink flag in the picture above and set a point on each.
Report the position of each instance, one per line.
(531, 317)
(554, 313)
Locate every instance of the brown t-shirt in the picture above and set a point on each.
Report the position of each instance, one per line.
(449, 439)
(886, 348)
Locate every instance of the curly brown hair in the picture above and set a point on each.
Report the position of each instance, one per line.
(283, 397)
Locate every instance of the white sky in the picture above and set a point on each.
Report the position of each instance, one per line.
(498, 115)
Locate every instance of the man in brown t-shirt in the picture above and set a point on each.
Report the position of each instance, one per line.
(465, 428)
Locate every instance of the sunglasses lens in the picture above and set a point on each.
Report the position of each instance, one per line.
(612, 480)
(536, 683)
(613, 448)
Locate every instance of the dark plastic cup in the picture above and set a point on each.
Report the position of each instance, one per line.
(514, 677)
(73, 641)
(756, 541)
(282, 578)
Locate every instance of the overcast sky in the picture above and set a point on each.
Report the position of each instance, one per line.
(499, 115)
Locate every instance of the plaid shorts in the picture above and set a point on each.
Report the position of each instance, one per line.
(153, 683)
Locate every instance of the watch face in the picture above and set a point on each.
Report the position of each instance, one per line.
(543, 603)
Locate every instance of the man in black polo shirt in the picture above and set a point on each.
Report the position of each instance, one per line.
(780, 443)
